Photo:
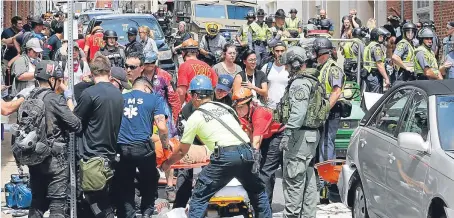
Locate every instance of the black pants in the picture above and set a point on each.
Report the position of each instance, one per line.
(183, 188)
(135, 157)
(271, 159)
(49, 184)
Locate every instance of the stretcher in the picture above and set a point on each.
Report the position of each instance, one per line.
(329, 170)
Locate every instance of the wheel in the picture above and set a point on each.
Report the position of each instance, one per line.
(359, 209)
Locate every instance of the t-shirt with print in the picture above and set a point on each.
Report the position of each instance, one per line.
(210, 131)
(95, 42)
(277, 82)
(191, 68)
(220, 69)
(138, 116)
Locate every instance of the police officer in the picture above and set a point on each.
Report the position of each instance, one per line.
(426, 66)
(211, 44)
(280, 32)
(301, 135)
(136, 150)
(49, 179)
(293, 23)
(242, 35)
(404, 54)
(351, 50)
(164, 22)
(133, 45)
(111, 50)
(333, 79)
(374, 61)
(260, 34)
(217, 126)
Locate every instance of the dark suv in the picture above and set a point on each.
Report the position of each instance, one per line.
(120, 24)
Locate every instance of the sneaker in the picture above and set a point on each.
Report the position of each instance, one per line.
(170, 191)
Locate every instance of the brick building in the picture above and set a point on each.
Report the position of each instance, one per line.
(9, 10)
(441, 12)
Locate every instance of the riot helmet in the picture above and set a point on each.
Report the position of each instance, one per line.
(250, 14)
(293, 11)
(426, 33)
(357, 33)
(322, 46)
(280, 13)
(260, 13)
(409, 30)
(324, 24)
(377, 32)
(132, 31)
(112, 35)
(47, 69)
(294, 58)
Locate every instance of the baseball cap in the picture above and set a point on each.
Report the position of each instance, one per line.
(47, 68)
(225, 82)
(34, 44)
(120, 74)
(150, 57)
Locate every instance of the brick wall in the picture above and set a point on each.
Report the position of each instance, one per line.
(9, 11)
(408, 8)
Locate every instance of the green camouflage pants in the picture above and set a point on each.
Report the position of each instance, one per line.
(300, 189)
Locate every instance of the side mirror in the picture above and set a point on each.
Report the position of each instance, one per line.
(412, 141)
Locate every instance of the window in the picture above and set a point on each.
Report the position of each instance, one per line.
(445, 119)
(390, 113)
(121, 25)
(416, 119)
(210, 11)
(238, 12)
(423, 10)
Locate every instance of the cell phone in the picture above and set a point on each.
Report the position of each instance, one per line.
(5, 87)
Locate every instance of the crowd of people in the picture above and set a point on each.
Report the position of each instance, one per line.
(250, 105)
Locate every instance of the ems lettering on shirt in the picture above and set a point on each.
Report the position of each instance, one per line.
(218, 112)
(131, 110)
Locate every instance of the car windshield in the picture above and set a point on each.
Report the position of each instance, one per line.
(210, 11)
(238, 12)
(445, 118)
(121, 25)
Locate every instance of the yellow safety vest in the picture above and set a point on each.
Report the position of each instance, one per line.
(369, 64)
(244, 32)
(430, 57)
(291, 24)
(259, 32)
(347, 51)
(409, 60)
(324, 76)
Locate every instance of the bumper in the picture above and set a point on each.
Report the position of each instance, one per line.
(345, 182)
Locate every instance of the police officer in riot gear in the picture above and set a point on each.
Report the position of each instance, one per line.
(294, 24)
(333, 79)
(242, 35)
(374, 61)
(404, 54)
(426, 66)
(351, 50)
(111, 50)
(302, 117)
(133, 45)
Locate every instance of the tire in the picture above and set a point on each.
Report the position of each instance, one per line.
(359, 209)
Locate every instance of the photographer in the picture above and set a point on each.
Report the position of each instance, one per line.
(355, 21)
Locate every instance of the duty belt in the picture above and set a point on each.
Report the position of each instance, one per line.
(259, 43)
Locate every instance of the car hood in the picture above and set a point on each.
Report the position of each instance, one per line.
(162, 45)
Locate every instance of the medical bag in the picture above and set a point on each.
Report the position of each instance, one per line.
(17, 192)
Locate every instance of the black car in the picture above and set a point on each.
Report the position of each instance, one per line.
(121, 22)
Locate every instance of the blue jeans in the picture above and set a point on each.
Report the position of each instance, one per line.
(327, 148)
(222, 169)
(271, 159)
(374, 83)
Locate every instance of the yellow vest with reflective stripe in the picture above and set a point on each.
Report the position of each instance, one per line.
(324, 76)
(348, 52)
(409, 60)
(292, 24)
(369, 64)
(259, 33)
(244, 32)
(430, 57)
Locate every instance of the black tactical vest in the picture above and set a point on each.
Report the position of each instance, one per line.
(116, 56)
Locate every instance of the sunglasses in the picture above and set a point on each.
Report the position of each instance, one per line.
(132, 67)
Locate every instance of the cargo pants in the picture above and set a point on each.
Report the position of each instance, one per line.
(300, 188)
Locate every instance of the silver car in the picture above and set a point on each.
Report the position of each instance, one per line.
(400, 161)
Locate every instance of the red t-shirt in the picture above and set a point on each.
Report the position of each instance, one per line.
(191, 68)
(95, 42)
(81, 43)
(263, 124)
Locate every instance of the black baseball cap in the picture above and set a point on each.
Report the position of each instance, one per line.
(120, 74)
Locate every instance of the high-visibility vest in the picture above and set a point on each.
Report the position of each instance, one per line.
(259, 32)
(369, 64)
(291, 24)
(348, 52)
(244, 32)
(409, 60)
(324, 76)
(430, 57)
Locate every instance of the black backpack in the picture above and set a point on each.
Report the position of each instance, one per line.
(31, 146)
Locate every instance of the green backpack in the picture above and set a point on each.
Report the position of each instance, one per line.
(317, 110)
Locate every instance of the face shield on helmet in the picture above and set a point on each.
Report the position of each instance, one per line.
(409, 34)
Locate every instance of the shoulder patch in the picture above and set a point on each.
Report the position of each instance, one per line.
(299, 94)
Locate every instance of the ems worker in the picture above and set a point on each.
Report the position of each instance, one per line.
(404, 54)
(333, 79)
(280, 31)
(426, 66)
(211, 44)
(217, 126)
(111, 50)
(350, 50)
(260, 33)
(133, 45)
(242, 35)
(293, 23)
(266, 135)
(141, 110)
(374, 61)
(300, 114)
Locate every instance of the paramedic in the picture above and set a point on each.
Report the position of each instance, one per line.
(218, 128)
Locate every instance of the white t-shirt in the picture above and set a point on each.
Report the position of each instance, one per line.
(79, 74)
(277, 82)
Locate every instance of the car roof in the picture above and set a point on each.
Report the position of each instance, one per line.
(112, 16)
(431, 87)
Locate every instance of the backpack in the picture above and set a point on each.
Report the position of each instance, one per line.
(317, 110)
(31, 146)
(27, 36)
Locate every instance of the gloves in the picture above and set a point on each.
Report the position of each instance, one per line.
(257, 156)
(284, 143)
(211, 56)
(25, 92)
(68, 94)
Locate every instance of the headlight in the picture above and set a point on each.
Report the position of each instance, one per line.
(164, 55)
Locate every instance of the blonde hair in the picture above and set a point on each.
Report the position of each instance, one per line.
(371, 24)
(150, 32)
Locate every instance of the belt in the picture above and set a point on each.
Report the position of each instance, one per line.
(228, 148)
(259, 42)
(307, 128)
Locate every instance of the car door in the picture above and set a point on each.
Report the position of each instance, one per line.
(407, 169)
(375, 141)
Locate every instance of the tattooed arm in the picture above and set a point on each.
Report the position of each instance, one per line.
(160, 121)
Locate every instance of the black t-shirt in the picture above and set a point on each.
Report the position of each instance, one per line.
(80, 87)
(100, 108)
(226, 100)
(50, 46)
(11, 52)
(259, 77)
